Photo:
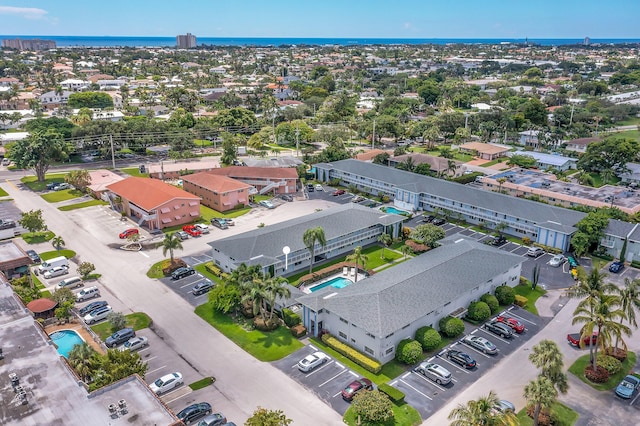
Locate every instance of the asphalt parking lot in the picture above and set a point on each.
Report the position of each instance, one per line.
(184, 286)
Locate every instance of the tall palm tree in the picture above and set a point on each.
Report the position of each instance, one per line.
(591, 286)
(541, 394)
(358, 258)
(311, 237)
(82, 359)
(386, 240)
(275, 287)
(629, 301)
(58, 242)
(170, 243)
(546, 356)
(481, 412)
(406, 251)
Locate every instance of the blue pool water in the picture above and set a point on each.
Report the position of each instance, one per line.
(393, 210)
(337, 282)
(66, 340)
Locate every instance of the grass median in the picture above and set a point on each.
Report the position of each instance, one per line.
(403, 415)
(136, 320)
(564, 415)
(577, 369)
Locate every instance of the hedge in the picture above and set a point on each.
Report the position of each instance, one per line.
(478, 311)
(492, 301)
(395, 395)
(358, 357)
(290, 318)
(451, 327)
(428, 337)
(505, 295)
(521, 301)
(408, 351)
(213, 269)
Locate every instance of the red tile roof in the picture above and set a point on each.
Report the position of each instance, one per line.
(220, 184)
(41, 305)
(148, 193)
(240, 172)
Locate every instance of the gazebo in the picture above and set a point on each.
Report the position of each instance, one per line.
(42, 308)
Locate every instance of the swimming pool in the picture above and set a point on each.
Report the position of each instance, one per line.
(337, 282)
(393, 210)
(65, 340)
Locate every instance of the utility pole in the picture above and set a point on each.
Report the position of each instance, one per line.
(573, 106)
(113, 155)
(297, 141)
(373, 136)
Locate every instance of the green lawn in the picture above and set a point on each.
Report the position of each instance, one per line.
(577, 369)
(37, 237)
(136, 320)
(598, 182)
(65, 194)
(264, 346)
(207, 213)
(565, 415)
(403, 415)
(630, 134)
(202, 383)
(34, 185)
(55, 253)
(82, 205)
(3, 193)
(532, 295)
(156, 270)
(134, 171)
(203, 270)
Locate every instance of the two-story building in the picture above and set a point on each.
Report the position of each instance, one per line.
(218, 192)
(266, 180)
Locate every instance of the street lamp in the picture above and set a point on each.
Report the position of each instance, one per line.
(286, 250)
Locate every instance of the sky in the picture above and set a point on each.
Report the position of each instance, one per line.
(324, 18)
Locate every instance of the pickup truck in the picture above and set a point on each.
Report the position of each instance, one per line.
(574, 339)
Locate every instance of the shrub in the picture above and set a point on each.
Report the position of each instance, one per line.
(395, 395)
(290, 318)
(408, 351)
(478, 311)
(544, 419)
(177, 263)
(521, 301)
(526, 241)
(358, 357)
(451, 327)
(609, 363)
(263, 325)
(505, 295)
(492, 301)
(213, 269)
(428, 337)
(600, 375)
(373, 407)
(298, 330)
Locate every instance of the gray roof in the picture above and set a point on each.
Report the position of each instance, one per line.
(620, 229)
(541, 157)
(532, 211)
(263, 245)
(398, 296)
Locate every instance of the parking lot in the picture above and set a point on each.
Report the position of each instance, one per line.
(184, 286)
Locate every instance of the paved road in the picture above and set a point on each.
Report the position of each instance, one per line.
(244, 382)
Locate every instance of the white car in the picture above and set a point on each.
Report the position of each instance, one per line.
(98, 315)
(557, 260)
(56, 271)
(202, 227)
(319, 187)
(166, 383)
(310, 362)
(134, 344)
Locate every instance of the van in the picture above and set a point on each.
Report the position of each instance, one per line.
(52, 263)
(87, 293)
(72, 282)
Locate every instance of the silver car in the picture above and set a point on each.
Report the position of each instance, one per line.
(435, 372)
(310, 362)
(97, 315)
(56, 271)
(481, 344)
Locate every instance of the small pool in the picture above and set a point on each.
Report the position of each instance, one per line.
(65, 340)
(393, 210)
(337, 282)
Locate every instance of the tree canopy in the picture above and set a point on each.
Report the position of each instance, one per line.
(90, 100)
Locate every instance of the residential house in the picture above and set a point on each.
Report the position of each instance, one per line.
(632, 176)
(438, 165)
(373, 315)
(153, 203)
(549, 161)
(614, 236)
(345, 227)
(10, 82)
(174, 170)
(484, 151)
(218, 192)
(272, 180)
(529, 138)
(53, 99)
(580, 144)
(74, 84)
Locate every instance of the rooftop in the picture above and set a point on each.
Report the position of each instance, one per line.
(148, 193)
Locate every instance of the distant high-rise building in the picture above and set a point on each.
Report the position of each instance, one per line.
(587, 41)
(187, 41)
(29, 44)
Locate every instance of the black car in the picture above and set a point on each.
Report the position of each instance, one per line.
(182, 272)
(310, 188)
(498, 240)
(52, 185)
(202, 288)
(119, 337)
(92, 307)
(461, 358)
(500, 329)
(438, 221)
(287, 198)
(616, 267)
(194, 412)
(34, 256)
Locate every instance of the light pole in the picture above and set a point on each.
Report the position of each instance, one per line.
(286, 250)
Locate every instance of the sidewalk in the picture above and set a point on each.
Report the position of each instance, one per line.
(551, 303)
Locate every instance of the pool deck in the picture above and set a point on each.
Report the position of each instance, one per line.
(307, 288)
(78, 328)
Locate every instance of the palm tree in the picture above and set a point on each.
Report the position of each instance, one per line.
(591, 286)
(170, 243)
(255, 294)
(406, 251)
(58, 242)
(452, 167)
(481, 412)
(629, 301)
(546, 356)
(275, 287)
(358, 258)
(501, 180)
(311, 237)
(386, 240)
(81, 358)
(541, 394)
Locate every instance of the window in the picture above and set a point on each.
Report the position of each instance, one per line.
(369, 350)
(389, 350)
(341, 334)
(344, 320)
(371, 335)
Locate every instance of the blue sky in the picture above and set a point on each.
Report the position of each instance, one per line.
(325, 18)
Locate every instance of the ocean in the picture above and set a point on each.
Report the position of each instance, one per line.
(117, 41)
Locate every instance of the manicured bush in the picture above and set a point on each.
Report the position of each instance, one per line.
(298, 330)
(478, 311)
(354, 355)
(428, 337)
(408, 351)
(544, 419)
(609, 363)
(451, 327)
(599, 375)
(521, 301)
(213, 269)
(290, 318)
(263, 325)
(177, 263)
(492, 301)
(395, 395)
(505, 295)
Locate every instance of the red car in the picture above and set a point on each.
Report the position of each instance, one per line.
(574, 339)
(354, 387)
(192, 230)
(127, 232)
(339, 192)
(515, 325)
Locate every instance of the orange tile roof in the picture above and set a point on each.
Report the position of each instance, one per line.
(148, 193)
(240, 172)
(220, 184)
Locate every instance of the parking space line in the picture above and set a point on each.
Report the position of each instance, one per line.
(324, 383)
(318, 369)
(464, 370)
(157, 369)
(313, 347)
(429, 381)
(144, 254)
(425, 395)
(634, 399)
(175, 399)
(495, 336)
(180, 389)
(518, 316)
